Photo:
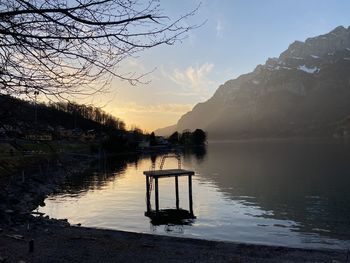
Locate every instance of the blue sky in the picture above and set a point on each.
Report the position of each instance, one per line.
(237, 36)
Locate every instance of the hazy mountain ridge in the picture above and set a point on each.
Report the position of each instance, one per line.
(303, 92)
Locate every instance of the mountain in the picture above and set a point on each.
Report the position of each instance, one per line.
(166, 131)
(303, 92)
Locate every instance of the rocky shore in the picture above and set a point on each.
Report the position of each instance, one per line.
(25, 190)
(29, 237)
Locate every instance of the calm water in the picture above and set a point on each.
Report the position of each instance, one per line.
(285, 193)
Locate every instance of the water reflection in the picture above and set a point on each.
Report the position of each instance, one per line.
(199, 152)
(291, 193)
(170, 217)
(98, 175)
(306, 182)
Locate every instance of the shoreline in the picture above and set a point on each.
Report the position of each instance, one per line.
(281, 139)
(55, 240)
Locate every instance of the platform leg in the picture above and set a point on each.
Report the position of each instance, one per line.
(156, 193)
(177, 192)
(190, 194)
(148, 196)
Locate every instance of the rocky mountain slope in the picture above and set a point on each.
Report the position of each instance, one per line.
(303, 92)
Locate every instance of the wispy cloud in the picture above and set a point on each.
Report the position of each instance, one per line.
(135, 63)
(193, 78)
(171, 108)
(219, 28)
(176, 93)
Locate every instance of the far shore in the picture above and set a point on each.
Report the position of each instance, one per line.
(282, 139)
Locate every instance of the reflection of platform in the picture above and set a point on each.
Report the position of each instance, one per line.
(170, 216)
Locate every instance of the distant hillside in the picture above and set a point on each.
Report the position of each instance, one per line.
(166, 131)
(303, 92)
(67, 122)
(21, 114)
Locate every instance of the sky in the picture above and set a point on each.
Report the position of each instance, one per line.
(237, 36)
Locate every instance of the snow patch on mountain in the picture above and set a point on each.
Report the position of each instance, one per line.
(309, 70)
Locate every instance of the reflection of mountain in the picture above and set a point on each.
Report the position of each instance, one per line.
(304, 182)
(303, 92)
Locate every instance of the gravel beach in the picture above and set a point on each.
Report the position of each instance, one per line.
(57, 242)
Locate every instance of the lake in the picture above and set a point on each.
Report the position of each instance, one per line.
(291, 193)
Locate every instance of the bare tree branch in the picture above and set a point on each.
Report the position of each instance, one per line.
(67, 47)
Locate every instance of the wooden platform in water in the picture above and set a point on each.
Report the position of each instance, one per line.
(168, 173)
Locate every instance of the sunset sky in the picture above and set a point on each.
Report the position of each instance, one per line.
(237, 36)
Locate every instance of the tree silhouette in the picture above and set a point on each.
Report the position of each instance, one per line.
(186, 137)
(199, 137)
(152, 139)
(67, 47)
(174, 138)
